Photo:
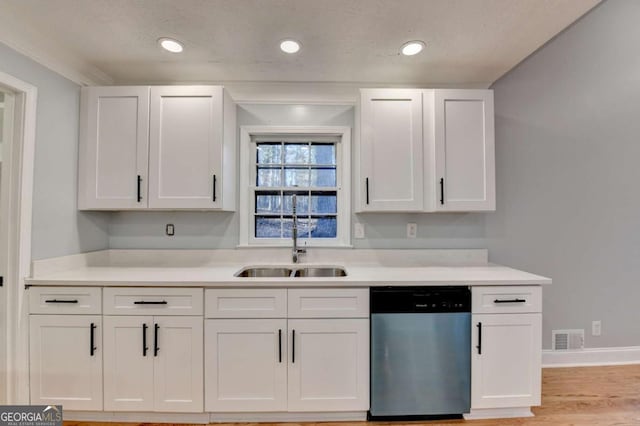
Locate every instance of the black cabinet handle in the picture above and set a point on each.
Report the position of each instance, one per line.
(61, 301)
(366, 184)
(280, 345)
(214, 188)
(1, 281)
(93, 348)
(150, 302)
(293, 346)
(139, 188)
(510, 301)
(479, 347)
(155, 340)
(144, 339)
(442, 191)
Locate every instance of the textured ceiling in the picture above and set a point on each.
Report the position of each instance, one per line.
(469, 42)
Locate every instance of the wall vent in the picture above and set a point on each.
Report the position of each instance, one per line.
(567, 340)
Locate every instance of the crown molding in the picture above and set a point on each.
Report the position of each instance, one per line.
(25, 39)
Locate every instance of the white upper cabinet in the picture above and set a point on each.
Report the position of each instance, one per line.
(390, 150)
(464, 150)
(425, 150)
(189, 143)
(159, 147)
(113, 152)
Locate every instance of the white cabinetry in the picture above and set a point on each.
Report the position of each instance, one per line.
(390, 150)
(506, 348)
(65, 349)
(159, 147)
(279, 364)
(464, 150)
(153, 362)
(425, 150)
(113, 151)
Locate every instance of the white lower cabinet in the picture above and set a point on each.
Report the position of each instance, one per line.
(329, 366)
(295, 364)
(66, 361)
(153, 363)
(506, 347)
(246, 365)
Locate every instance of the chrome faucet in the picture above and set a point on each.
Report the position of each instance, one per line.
(294, 232)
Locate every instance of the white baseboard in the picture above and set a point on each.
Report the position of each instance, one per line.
(102, 416)
(347, 416)
(591, 357)
(498, 413)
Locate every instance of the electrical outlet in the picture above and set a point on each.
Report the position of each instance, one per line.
(170, 229)
(596, 328)
(359, 230)
(412, 230)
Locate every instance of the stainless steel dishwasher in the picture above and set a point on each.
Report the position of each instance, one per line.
(420, 352)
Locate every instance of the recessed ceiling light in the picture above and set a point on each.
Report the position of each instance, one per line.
(289, 46)
(171, 45)
(411, 48)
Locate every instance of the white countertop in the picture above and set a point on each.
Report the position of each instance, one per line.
(122, 268)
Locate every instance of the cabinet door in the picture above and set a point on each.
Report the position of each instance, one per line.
(185, 165)
(465, 153)
(506, 369)
(246, 365)
(63, 367)
(329, 365)
(128, 363)
(178, 364)
(390, 150)
(114, 141)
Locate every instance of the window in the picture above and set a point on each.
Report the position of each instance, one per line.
(311, 168)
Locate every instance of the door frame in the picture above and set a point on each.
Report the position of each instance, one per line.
(20, 152)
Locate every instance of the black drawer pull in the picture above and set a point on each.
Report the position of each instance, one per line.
(93, 348)
(510, 301)
(150, 302)
(61, 301)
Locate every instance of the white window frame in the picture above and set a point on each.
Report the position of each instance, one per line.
(343, 184)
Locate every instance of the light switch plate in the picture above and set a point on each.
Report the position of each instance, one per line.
(358, 230)
(170, 229)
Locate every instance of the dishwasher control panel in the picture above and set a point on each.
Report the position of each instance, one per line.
(420, 299)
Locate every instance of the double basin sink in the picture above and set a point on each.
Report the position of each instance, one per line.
(291, 272)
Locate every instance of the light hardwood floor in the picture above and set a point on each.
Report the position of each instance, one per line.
(603, 396)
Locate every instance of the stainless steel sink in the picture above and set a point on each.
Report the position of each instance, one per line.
(321, 272)
(265, 272)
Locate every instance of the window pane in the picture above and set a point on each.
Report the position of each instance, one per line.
(303, 228)
(324, 203)
(323, 177)
(324, 227)
(268, 202)
(302, 204)
(268, 227)
(269, 177)
(323, 154)
(296, 177)
(269, 153)
(296, 153)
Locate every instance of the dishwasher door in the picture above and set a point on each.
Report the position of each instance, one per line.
(420, 364)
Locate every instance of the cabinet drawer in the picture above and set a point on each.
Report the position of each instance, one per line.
(246, 303)
(506, 299)
(65, 300)
(328, 303)
(153, 301)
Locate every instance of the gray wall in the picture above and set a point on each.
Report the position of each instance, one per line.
(568, 144)
(58, 228)
(220, 230)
